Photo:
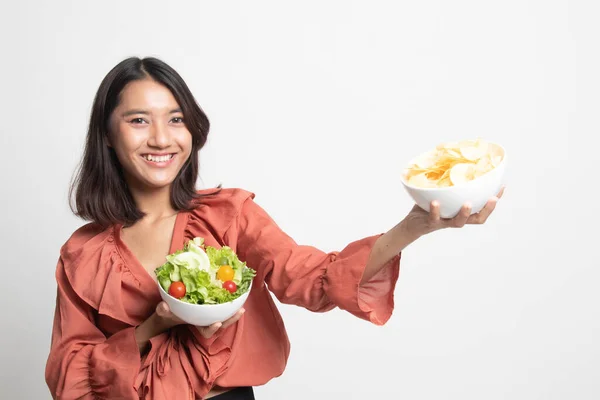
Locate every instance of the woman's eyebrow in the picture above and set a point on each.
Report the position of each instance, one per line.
(144, 112)
(132, 112)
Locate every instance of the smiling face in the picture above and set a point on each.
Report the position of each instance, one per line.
(148, 135)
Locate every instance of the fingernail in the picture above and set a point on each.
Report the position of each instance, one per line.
(242, 311)
(219, 325)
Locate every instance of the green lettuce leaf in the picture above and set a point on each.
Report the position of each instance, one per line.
(163, 275)
(247, 275)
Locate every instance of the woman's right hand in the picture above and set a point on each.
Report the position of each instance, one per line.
(163, 319)
(166, 319)
(169, 320)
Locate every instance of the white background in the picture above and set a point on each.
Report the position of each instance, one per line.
(316, 106)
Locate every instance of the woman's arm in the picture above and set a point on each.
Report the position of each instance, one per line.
(416, 224)
(153, 326)
(163, 319)
(309, 277)
(360, 278)
(83, 362)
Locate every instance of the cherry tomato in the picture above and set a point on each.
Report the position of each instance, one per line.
(177, 290)
(230, 286)
(225, 273)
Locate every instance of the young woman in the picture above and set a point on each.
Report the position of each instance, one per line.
(113, 337)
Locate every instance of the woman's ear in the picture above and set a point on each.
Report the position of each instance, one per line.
(109, 129)
(108, 140)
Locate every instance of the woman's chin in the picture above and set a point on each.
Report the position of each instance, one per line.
(150, 181)
(160, 184)
(155, 184)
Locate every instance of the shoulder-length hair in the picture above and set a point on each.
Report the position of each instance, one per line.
(99, 192)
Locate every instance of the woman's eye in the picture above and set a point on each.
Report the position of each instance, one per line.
(137, 121)
(177, 120)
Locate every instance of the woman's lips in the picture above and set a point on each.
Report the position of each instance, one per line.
(159, 160)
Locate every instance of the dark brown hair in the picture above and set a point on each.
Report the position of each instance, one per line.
(99, 192)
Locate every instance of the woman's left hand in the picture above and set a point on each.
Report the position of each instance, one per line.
(417, 223)
(420, 222)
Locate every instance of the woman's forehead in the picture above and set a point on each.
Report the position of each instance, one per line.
(147, 95)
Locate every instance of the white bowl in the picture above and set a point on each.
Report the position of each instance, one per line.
(203, 314)
(451, 199)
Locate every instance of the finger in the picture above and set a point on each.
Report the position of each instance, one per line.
(434, 212)
(208, 331)
(483, 215)
(233, 319)
(461, 218)
(500, 193)
(163, 310)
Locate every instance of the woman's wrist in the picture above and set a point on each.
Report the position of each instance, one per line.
(151, 327)
(405, 233)
(388, 246)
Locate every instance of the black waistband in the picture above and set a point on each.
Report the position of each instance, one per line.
(241, 393)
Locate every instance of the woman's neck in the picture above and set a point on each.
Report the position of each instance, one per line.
(155, 203)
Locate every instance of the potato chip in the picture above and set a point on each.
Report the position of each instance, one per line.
(425, 161)
(462, 173)
(421, 180)
(453, 163)
(474, 153)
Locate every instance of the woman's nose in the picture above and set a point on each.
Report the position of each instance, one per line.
(159, 135)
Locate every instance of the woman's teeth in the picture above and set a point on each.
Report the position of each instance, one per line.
(150, 157)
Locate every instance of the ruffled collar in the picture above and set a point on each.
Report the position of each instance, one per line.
(105, 273)
(177, 242)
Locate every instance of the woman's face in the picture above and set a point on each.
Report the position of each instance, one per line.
(148, 135)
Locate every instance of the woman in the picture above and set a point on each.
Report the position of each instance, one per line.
(113, 337)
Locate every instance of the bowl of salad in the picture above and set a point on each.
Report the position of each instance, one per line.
(202, 284)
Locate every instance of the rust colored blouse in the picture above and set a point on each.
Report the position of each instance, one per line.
(104, 293)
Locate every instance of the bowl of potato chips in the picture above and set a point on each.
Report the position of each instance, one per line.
(455, 173)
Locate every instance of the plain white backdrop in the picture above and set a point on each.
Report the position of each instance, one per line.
(316, 106)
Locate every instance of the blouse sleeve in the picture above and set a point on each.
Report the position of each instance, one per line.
(83, 363)
(311, 278)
